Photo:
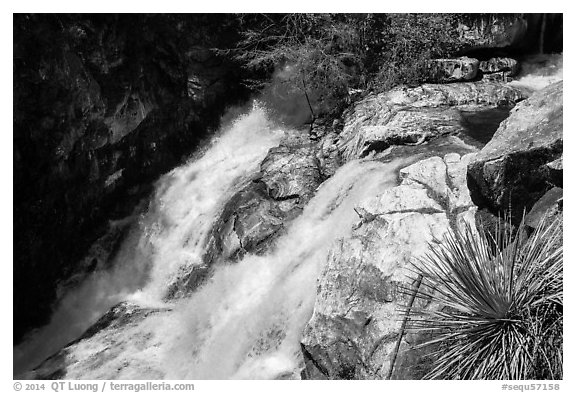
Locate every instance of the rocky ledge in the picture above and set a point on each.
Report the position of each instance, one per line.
(356, 328)
(260, 212)
(524, 158)
(414, 115)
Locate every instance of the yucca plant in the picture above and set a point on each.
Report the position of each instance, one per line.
(499, 301)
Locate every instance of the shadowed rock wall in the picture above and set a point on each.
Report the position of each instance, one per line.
(103, 104)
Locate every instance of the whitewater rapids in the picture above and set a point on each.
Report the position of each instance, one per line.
(246, 321)
(168, 237)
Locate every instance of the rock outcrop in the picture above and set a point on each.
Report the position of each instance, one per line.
(499, 69)
(550, 205)
(499, 64)
(328, 155)
(414, 115)
(452, 70)
(463, 69)
(523, 159)
(288, 178)
(355, 330)
(259, 213)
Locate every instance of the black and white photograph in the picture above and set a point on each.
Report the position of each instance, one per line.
(287, 196)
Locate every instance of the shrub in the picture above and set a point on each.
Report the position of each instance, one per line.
(331, 54)
(500, 305)
(409, 41)
(321, 55)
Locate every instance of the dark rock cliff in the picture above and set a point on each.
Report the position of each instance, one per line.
(524, 158)
(103, 104)
(512, 34)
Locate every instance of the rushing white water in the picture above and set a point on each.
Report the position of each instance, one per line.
(539, 71)
(246, 322)
(168, 239)
(267, 300)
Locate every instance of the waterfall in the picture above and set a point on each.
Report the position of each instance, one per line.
(246, 320)
(539, 71)
(167, 238)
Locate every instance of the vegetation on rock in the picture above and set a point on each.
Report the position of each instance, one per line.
(500, 313)
(327, 56)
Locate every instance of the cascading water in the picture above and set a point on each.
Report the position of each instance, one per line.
(246, 320)
(539, 71)
(168, 238)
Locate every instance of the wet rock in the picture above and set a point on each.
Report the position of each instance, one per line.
(328, 155)
(414, 115)
(499, 64)
(253, 218)
(357, 319)
(289, 176)
(258, 214)
(514, 168)
(452, 70)
(101, 344)
(290, 171)
(499, 69)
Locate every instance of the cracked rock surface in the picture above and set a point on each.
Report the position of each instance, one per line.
(404, 116)
(356, 324)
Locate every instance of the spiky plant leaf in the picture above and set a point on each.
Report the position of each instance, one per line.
(499, 304)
